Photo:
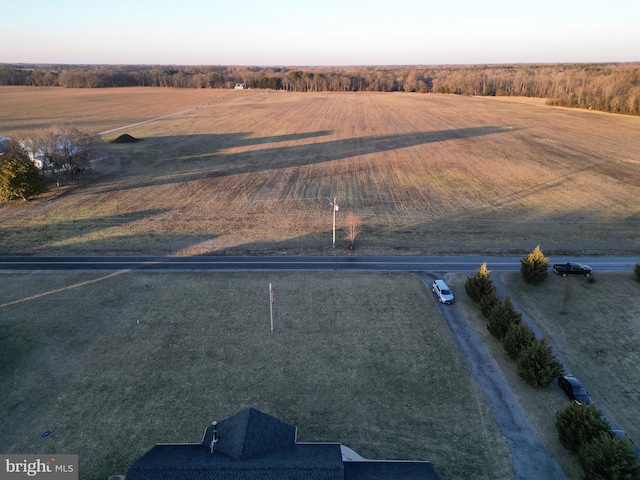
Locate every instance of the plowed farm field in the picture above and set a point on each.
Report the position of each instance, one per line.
(253, 171)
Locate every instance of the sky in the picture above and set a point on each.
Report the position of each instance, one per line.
(319, 32)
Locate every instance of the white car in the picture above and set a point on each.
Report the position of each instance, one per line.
(442, 291)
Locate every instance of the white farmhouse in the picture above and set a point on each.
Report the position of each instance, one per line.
(33, 152)
(63, 150)
(4, 143)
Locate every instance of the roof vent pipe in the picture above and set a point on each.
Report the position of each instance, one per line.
(214, 438)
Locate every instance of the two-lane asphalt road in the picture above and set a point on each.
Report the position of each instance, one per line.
(286, 262)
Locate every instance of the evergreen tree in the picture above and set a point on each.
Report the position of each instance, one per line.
(534, 267)
(537, 365)
(502, 317)
(480, 285)
(578, 424)
(607, 457)
(19, 178)
(488, 303)
(518, 337)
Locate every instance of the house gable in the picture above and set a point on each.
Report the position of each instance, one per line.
(253, 445)
(251, 433)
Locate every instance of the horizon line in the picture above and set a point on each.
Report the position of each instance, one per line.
(363, 65)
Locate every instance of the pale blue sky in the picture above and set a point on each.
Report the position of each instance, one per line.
(318, 32)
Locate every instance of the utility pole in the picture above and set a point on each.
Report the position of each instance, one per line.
(334, 207)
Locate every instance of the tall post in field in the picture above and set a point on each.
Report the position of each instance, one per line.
(271, 305)
(334, 208)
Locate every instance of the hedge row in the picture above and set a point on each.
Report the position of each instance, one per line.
(536, 363)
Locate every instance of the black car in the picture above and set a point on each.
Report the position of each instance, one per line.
(574, 390)
(572, 268)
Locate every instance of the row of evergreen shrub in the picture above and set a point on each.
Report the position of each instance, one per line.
(581, 429)
(536, 363)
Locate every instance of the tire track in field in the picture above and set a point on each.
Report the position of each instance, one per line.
(175, 114)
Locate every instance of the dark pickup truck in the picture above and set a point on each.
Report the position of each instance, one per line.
(572, 268)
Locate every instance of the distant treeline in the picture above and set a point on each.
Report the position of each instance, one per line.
(606, 87)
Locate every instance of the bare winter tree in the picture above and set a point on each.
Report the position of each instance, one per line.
(62, 149)
(353, 226)
(609, 87)
(76, 149)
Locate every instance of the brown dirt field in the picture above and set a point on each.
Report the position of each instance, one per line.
(95, 110)
(251, 173)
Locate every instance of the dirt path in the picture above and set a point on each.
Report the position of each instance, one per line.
(199, 105)
(530, 456)
(147, 121)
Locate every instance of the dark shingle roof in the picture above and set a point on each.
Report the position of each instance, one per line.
(252, 445)
(251, 433)
(195, 462)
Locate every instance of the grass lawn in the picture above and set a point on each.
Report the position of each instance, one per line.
(113, 363)
(598, 339)
(599, 336)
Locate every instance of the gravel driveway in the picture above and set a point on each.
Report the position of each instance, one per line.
(529, 454)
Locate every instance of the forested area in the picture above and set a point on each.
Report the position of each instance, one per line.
(606, 87)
